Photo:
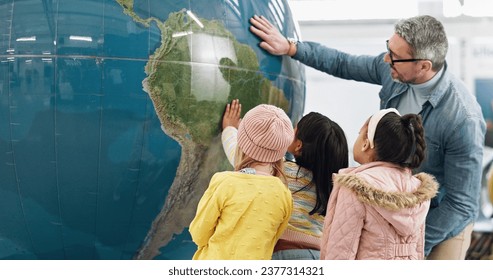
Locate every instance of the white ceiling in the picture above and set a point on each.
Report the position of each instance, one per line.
(316, 10)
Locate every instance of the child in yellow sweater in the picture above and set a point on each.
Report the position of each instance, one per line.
(243, 213)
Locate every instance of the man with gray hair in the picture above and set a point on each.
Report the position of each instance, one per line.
(414, 78)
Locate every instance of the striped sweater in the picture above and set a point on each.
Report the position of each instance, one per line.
(303, 228)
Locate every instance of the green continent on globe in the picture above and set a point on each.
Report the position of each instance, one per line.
(196, 70)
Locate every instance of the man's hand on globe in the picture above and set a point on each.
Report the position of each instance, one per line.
(232, 114)
(272, 40)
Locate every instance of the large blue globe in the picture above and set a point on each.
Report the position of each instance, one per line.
(110, 117)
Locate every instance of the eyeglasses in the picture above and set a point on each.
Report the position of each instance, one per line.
(392, 60)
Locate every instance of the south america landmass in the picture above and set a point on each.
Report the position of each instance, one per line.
(191, 121)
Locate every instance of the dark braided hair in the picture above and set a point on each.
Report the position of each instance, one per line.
(400, 140)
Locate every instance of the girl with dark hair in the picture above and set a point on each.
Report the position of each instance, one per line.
(378, 210)
(319, 149)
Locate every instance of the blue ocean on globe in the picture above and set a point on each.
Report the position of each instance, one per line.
(110, 117)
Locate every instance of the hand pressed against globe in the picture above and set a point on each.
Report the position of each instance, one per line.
(232, 114)
(272, 40)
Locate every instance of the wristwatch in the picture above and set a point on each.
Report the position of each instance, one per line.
(292, 46)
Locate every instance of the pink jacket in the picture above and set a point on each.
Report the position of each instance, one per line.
(377, 211)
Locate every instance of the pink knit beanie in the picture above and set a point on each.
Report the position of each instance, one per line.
(265, 132)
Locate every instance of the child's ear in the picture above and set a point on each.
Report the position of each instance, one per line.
(299, 145)
(366, 145)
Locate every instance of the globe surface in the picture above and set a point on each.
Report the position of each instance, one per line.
(110, 118)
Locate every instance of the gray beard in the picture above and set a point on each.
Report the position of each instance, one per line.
(397, 81)
(403, 82)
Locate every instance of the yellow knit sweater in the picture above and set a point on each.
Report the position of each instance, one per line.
(240, 216)
(303, 228)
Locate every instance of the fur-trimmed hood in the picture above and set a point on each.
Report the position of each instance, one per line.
(400, 197)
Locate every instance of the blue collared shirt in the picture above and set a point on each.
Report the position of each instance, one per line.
(454, 131)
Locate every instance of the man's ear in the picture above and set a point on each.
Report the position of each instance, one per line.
(426, 65)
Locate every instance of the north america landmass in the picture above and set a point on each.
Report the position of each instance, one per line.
(192, 121)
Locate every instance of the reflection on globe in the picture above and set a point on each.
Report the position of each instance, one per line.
(110, 118)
